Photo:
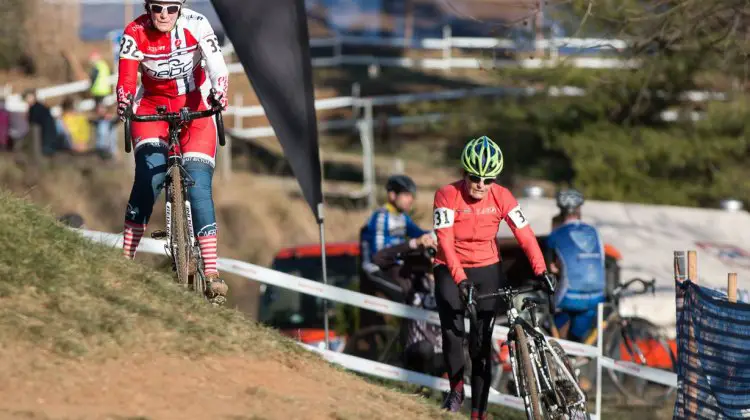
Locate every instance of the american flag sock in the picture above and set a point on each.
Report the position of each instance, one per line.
(131, 237)
(208, 252)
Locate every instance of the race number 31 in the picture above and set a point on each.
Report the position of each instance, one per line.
(519, 219)
(442, 218)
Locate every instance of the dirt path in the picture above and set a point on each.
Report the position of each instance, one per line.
(156, 386)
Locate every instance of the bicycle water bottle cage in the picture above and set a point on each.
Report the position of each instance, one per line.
(161, 109)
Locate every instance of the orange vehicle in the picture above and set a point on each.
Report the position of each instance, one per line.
(298, 315)
(301, 316)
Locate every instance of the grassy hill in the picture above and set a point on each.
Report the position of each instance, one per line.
(87, 334)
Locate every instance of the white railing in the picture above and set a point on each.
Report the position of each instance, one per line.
(447, 62)
(445, 44)
(353, 102)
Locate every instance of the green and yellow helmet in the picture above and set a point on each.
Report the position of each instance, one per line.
(482, 157)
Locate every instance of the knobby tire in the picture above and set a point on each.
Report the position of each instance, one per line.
(527, 372)
(568, 390)
(181, 246)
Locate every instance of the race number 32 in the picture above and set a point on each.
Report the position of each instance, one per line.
(442, 218)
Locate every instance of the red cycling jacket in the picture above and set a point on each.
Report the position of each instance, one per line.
(466, 228)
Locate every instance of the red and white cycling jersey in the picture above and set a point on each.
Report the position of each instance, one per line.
(171, 64)
(176, 68)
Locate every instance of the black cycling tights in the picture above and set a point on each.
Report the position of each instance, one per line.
(487, 279)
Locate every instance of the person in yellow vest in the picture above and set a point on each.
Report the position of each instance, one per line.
(99, 76)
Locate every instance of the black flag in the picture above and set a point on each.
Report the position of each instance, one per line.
(271, 39)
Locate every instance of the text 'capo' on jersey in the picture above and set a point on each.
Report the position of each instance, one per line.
(171, 63)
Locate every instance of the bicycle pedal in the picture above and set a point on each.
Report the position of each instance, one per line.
(158, 234)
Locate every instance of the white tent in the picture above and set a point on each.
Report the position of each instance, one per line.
(648, 235)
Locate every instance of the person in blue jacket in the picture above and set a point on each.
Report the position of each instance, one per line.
(391, 225)
(388, 226)
(578, 260)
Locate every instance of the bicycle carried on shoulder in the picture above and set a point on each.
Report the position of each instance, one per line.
(182, 245)
(542, 372)
(384, 343)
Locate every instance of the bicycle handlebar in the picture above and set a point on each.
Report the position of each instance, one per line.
(183, 116)
(507, 292)
(426, 252)
(647, 285)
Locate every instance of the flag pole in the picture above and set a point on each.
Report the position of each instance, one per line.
(321, 225)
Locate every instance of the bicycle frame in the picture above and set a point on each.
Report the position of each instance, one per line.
(538, 349)
(538, 355)
(174, 158)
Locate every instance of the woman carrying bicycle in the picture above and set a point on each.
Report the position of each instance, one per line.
(466, 218)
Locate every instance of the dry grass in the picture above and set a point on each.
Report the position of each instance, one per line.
(257, 215)
(88, 334)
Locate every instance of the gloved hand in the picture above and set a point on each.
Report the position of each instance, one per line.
(218, 96)
(463, 287)
(219, 99)
(550, 282)
(123, 103)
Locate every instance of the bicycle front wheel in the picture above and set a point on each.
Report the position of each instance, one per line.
(180, 238)
(528, 387)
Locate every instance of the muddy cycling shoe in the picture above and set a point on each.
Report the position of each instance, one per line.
(216, 289)
(453, 401)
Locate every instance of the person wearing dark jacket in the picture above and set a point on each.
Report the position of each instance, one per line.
(39, 114)
(410, 267)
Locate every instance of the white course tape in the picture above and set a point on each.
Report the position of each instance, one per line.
(398, 374)
(337, 294)
(659, 376)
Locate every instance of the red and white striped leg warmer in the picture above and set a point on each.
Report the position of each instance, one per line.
(208, 252)
(131, 238)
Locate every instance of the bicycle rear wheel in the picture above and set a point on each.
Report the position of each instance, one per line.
(379, 343)
(567, 391)
(181, 248)
(640, 337)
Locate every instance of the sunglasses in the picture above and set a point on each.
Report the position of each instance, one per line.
(158, 8)
(478, 179)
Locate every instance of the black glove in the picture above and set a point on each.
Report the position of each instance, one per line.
(464, 288)
(549, 282)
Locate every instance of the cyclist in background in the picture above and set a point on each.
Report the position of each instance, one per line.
(467, 215)
(168, 44)
(390, 225)
(577, 257)
(387, 226)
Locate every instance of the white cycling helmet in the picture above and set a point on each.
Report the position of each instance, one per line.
(569, 199)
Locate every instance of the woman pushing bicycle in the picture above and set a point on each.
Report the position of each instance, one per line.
(466, 218)
(169, 44)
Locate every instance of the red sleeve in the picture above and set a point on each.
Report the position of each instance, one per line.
(130, 58)
(443, 218)
(521, 229)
